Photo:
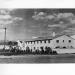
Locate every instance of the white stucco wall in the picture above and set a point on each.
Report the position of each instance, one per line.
(63, 51)
(66, 43)
(52, 44)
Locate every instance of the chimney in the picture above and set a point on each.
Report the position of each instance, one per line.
(53, 34)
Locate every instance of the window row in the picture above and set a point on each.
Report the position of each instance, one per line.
(38, 42)
(57, 41)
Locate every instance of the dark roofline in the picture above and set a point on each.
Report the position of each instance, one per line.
(65, 35)
(38, 40)
(49, 39)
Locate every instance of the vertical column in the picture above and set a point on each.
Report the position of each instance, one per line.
(5, 38)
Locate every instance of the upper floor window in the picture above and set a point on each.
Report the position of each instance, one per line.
(34, 42)
(40, 41)
(57, 41)
(31, 42)
(45, 41)
(63, 40)
(34, 48)
(37, 41)
(48, 41)
(28, 42)
(69, 41)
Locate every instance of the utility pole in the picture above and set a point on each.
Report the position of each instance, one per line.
(5, 37)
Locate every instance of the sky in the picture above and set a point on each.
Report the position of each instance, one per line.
(27, 24)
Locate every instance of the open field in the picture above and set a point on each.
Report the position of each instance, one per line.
(63, 58)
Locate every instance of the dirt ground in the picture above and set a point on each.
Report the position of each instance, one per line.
(62, 58)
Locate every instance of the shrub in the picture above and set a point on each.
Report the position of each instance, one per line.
(54, 52)
(48, 50)
(42, 50)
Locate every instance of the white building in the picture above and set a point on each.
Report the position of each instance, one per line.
(62, 42)
(36, 44)
(2, 46)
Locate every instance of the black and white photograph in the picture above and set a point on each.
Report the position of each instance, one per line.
(35, 35)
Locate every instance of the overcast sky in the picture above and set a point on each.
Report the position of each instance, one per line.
(24, 24)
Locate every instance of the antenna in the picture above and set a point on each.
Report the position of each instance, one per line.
(5, 37)
(54, 34)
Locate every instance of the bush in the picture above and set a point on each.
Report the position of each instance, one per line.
(42, 50)
(37, 51)
(54, 52)
(48, 50)
(28, 50)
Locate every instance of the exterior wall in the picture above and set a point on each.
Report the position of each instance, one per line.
(2, 46)
(66, 42)
(63, 51)
(33, 44)
(50, 43)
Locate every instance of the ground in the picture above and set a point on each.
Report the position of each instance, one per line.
(63, 58)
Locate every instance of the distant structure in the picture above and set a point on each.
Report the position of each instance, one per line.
(53, 34)
(57, 43)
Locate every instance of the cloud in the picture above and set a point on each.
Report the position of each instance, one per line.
(34, 37)
(56, 25)
(61, 17)
(69, 31)
(5, 11)
(38, 16)
(58, 22)
(17, 18)
(65, 15)
(6, 18)
(41, 13)
(52, 16)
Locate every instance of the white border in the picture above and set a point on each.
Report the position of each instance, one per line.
(37, 69)
(37, 3)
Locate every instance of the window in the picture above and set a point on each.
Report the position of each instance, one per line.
(63, 40)
(57, 41)
(37, 41)
(31, 42)
(34, 48)
(45, 41)
(34, 42)
(69, 41)
(40, 41)
(26, 42)
(48, 41)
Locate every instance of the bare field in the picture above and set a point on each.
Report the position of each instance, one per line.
(63, 58)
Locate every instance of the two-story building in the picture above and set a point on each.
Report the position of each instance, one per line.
(63, 42)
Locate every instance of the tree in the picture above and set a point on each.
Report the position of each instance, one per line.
(27, 50)
(42, 50)
(10, 45)
(48, 50)
(54, 52)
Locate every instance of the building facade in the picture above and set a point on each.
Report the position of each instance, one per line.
(62, 42)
